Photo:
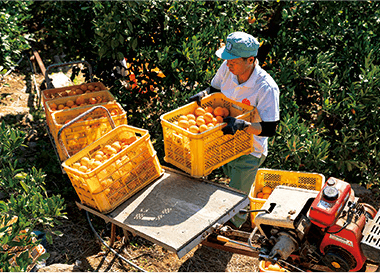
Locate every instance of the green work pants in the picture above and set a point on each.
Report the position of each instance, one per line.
(242, 173)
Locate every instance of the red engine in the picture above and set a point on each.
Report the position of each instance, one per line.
(327, 230)
(342, 220)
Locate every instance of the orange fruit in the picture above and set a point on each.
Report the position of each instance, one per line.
(97, 88)
(92, 100)
(53, 105)
(266, 195)
(96, 164)
(90, 87)
(190, 117)
(214, 121)
(83, 87)
(83, 169)
(218, 111)
(131, 140)
(182, 117)
(85, 161)
(210, 125)
(194, 129)
(60, 107)
(66, 107)
(183, 124)
(80, 100)
(226, 112)
(71, 92)
(69, 103)
(209, 109)
(208, 117)
(76, 165)
(267, 189)
(98, 157)
(114, 112)
(203, 128)
(219, 119)
(259, 195)
(79, 91)
(200, 120)
(116, 145)
(192, 122)
(200, 111)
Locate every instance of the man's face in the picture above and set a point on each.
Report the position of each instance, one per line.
(240, 66)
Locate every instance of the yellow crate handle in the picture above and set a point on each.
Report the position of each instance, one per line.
(71, 122)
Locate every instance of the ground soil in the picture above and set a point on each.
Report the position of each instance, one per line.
(79, 249)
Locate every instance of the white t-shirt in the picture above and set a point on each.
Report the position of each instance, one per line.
(260, 90)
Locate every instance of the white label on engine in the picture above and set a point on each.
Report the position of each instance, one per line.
(325, 205)
(341, 240)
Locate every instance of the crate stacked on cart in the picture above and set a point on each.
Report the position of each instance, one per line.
(67, 91)
(113, 168)
(199, 153)
(86, 130)
(270, 178)
(68, 103)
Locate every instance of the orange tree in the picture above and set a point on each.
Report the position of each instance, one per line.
(323, 55)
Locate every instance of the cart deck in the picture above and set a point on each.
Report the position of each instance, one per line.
(176, 211)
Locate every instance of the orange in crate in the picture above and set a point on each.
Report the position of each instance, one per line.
(268, 179)
(59, 104)
(67, 91)
(84, 132)
(198, 154)
(121, 175)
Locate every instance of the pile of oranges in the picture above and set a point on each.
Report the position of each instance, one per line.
(86, 164)
(202, 119)
(273, 267)
(264, 193)
(80, 101)
(83, 88)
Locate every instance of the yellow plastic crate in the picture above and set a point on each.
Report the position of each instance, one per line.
(82, 133)
(105, 97)
(200, 154)
(273, 178)
(66, 91)
(124, 174)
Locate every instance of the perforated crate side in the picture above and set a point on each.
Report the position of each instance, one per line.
(273, 178)
(105, 187)
(199, 154)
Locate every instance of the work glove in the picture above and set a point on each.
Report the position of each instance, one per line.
(234, 125)
(198, 97)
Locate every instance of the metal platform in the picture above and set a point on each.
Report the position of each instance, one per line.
(176, 211)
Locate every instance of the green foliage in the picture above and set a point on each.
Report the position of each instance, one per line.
(323, 55)
(14, 38)
(28, 203)
(298, 147)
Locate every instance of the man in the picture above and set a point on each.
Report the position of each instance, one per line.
(241, 79)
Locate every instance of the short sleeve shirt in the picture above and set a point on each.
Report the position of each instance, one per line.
(260, 91)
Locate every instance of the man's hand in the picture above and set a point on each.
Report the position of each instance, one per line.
(233, 125)
(198, 97)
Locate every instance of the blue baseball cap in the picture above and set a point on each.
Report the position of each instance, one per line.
(239, 44)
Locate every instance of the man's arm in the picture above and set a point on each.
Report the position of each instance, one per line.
(263, 128)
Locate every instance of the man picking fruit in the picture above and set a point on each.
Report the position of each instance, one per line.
(241, 79)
